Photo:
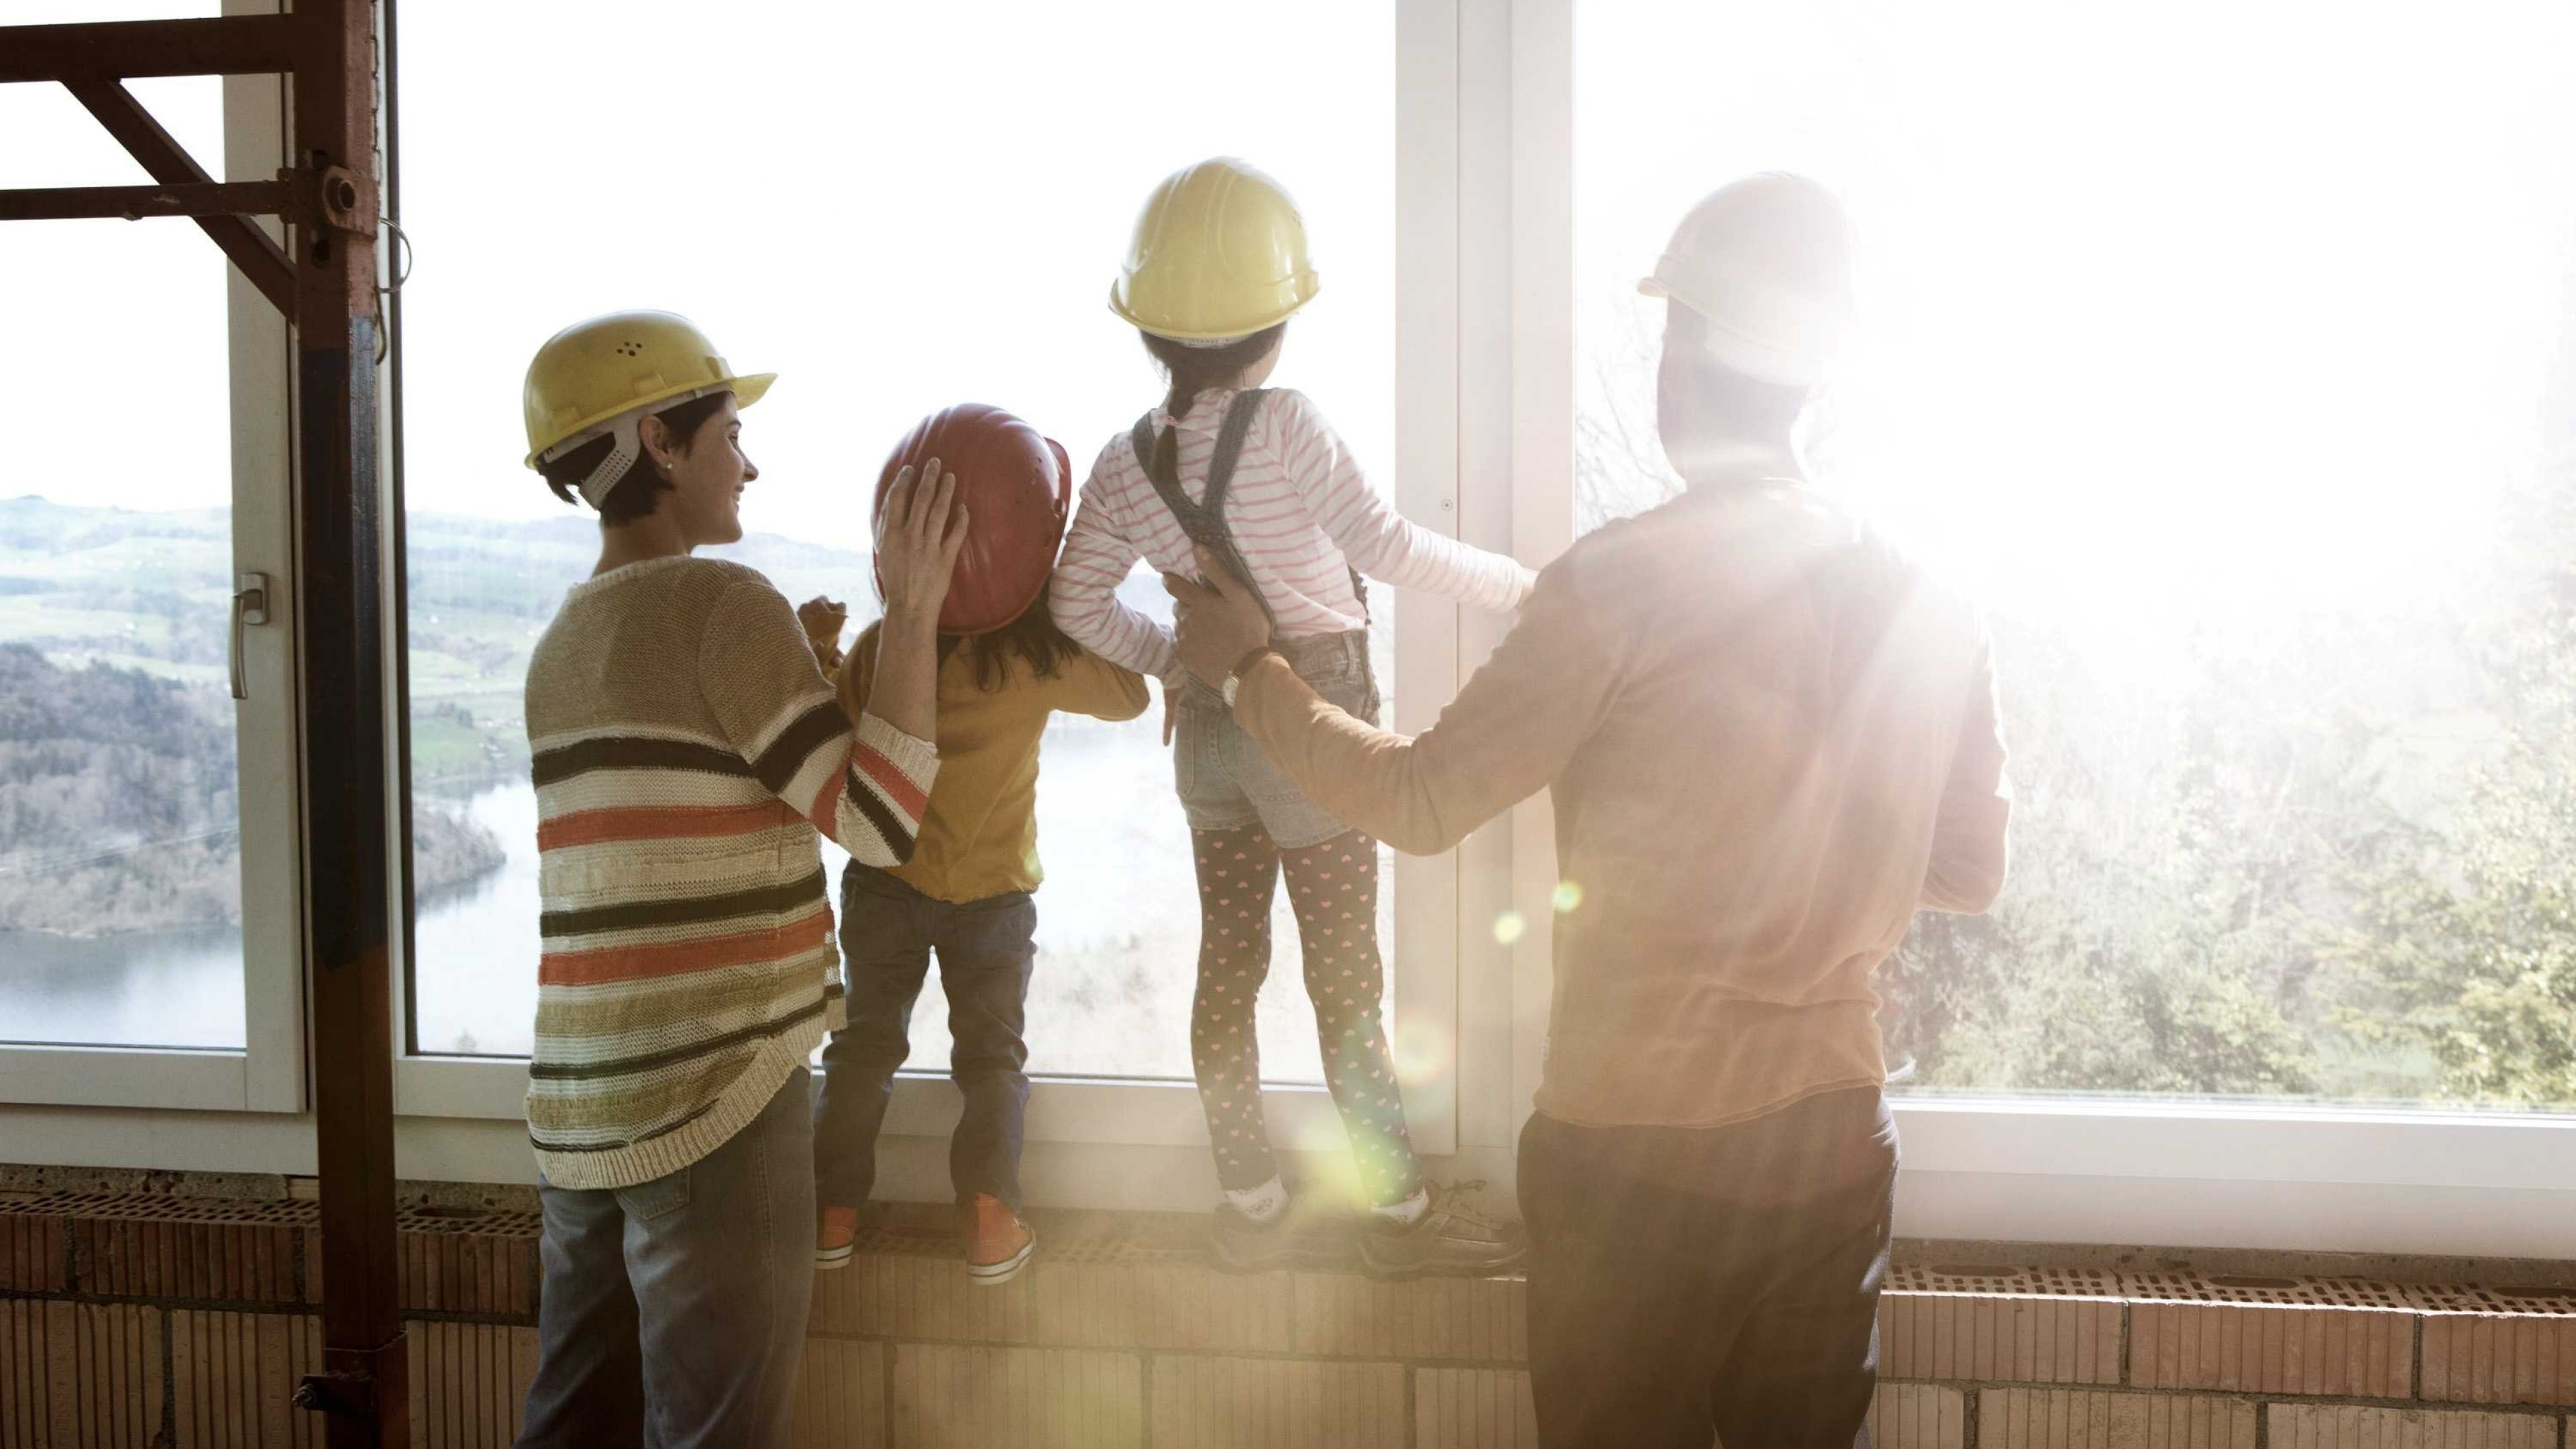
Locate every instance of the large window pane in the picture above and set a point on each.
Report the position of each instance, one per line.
(896, 210)
(2229, 354)
(120, 828)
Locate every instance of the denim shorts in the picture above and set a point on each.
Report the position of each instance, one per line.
(1225, 781)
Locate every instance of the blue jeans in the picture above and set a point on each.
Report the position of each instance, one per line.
(674, 1310)
(1224, 780)
(986, 947)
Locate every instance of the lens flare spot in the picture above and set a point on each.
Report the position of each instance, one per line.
(1569, 895)
(1318, 1133)
(1421, 1051)
(1509, 928)
(1332, 1178)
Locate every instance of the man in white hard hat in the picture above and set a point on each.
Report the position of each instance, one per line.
(1770, 740)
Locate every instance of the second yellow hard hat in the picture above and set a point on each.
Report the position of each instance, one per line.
(1219, 253)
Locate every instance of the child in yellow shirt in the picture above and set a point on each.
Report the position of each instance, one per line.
(968, 890)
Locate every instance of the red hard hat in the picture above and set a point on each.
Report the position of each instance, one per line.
(1016, 484)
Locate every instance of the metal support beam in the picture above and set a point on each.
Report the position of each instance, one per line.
(327, 287)
(166, 161)
(204, 199)
(340, 595)
(124, 49)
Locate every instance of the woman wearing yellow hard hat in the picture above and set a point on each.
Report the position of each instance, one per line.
(1258, 481)
(688, 757)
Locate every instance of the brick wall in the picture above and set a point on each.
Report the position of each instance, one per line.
(149, 1320)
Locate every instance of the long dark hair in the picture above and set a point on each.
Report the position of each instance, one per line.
(1032, 636)
(1193, 370)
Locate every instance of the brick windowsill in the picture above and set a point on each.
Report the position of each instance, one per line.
(136, 1310)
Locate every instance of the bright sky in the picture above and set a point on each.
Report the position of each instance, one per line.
(111, 332)
(2172, 308)
(895, 208)
(2193, 306)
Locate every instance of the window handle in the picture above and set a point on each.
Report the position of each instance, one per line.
(250, 606)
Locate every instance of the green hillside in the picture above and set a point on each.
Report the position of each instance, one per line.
(148, 592)
(117, 761)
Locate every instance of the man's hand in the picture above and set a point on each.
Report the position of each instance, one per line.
(1218, 619)
(918, 539)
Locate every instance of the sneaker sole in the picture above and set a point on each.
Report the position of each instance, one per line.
(827, 1259)
(994, 1275)
(1396, 1271)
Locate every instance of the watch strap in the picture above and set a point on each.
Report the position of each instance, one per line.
(1251, 657)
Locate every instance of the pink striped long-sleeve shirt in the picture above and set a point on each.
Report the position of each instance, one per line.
(1302, 513)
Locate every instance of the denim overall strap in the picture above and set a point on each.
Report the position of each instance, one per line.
(1204, 521)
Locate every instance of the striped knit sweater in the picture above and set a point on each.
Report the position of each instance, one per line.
(686, 753)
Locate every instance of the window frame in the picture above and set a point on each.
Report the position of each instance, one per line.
(1423, 954)
(2027, 1169)
(1485, 126)
(266, 1074)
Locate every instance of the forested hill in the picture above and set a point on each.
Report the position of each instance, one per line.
(118, 804)
(116, 801)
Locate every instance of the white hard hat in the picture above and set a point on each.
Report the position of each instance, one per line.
(1767, 262)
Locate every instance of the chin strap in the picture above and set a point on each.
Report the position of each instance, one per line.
(626, 447)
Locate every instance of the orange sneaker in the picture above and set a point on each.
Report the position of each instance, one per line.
(836, 1237)
(998, 1244)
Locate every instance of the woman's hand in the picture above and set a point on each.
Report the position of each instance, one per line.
(1218, 619)
(919, 537)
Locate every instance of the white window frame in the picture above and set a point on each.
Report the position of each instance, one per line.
(2041, 1170)
(1485, 123)
(267, 1073)
(1424, 954)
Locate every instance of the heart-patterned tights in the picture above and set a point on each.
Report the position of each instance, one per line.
(1332, 888)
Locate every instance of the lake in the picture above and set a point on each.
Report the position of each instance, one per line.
(1110, 996)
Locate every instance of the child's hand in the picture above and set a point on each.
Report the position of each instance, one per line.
(823, 619)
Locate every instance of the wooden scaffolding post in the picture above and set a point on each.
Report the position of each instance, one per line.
(327, 286)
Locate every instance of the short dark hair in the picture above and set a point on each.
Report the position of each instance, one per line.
(638, 491)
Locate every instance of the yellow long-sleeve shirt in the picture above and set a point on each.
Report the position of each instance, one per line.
(979, 836)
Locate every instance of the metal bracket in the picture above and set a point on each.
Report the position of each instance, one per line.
(340, 198)
(337, 1393)
(354, 1379)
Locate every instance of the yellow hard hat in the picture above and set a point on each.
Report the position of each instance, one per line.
(1220, 253)
(594, 373)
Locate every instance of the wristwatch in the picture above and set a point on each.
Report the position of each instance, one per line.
(1234, 681)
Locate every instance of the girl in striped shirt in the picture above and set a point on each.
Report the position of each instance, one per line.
(1260, 478)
